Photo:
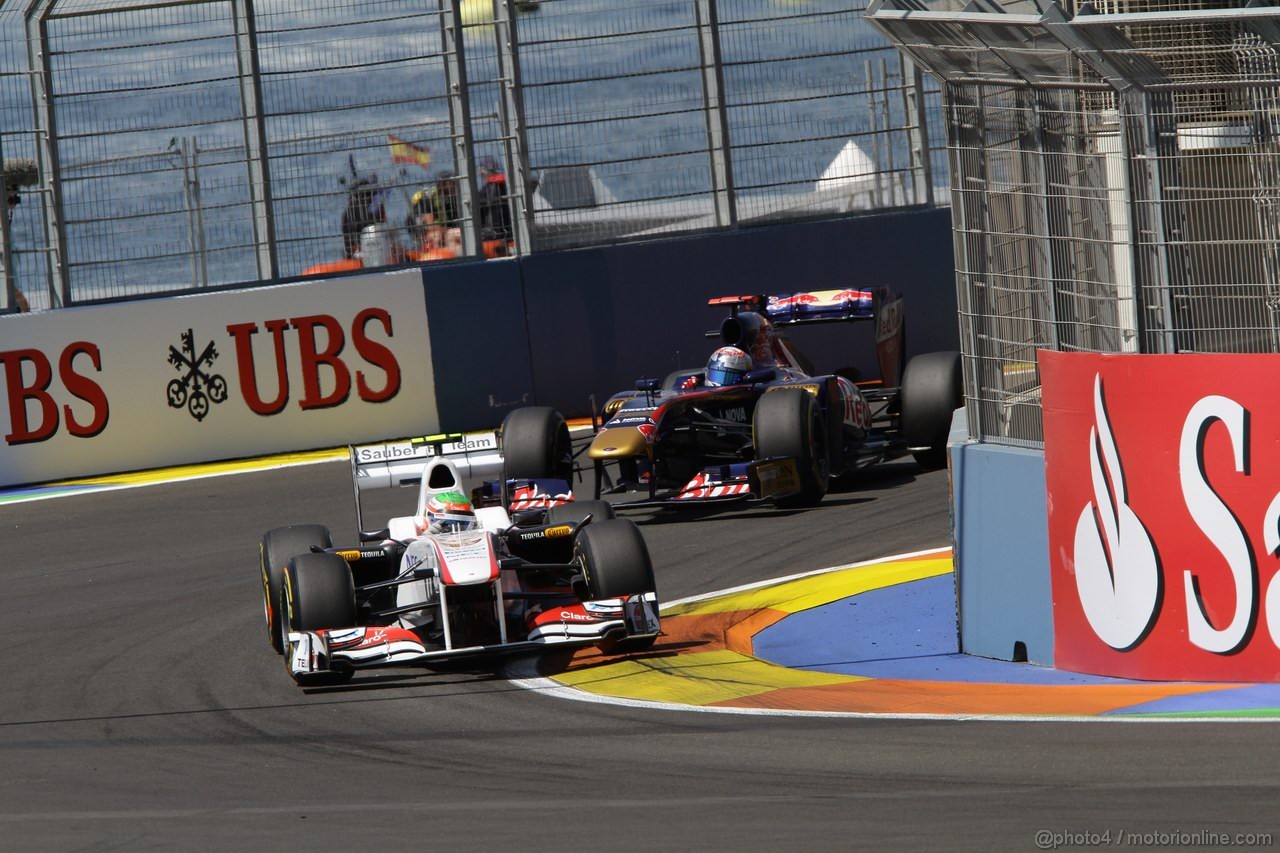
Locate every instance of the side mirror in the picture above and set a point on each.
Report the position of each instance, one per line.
(648, 384)
(764, 374)
(375, 535)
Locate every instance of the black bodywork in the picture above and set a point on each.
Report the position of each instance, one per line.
(691, 430)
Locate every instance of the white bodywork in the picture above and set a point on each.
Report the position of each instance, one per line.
(441, 475)
(458, 562)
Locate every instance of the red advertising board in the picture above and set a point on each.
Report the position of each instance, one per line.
(1163, 480)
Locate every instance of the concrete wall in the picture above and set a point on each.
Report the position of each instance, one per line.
(1002, 552)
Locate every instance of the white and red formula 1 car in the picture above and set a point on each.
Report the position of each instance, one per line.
(537, 570)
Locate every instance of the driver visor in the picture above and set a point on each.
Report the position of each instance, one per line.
(451, 523)
(721, 376)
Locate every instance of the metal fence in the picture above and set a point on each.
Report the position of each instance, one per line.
(164, 147)
(1115, 183)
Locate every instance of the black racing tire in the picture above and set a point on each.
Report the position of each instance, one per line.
(278, 547)
(574, 511)
(319, 592)
(932, 389)
(535, 445)
(788, 422)
(614, 559)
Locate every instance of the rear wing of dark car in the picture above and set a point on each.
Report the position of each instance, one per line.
(878, 304)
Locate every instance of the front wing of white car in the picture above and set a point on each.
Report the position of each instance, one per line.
(337, 650)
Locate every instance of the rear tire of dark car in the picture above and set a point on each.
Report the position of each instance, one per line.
(319, 593)
(788, 422)
(932, 389)
(574, 511)
(535, 445)
(278, 547)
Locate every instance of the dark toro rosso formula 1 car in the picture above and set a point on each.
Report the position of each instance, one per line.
(523, 567)
(780, 432)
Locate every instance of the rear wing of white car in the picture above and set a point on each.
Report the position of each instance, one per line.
(401, 462)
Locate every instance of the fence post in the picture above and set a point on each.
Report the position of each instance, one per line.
(515, 144)
(255, 140)
(8, 281)
(917, 130)
(455, 70)
(58, 275)
(1157, 283)
(1042, 206)
(189, 202)
(718, 145)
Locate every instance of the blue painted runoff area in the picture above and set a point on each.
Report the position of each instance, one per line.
(906, 631)
(1244, 697)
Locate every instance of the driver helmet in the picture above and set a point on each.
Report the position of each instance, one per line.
(727, 366)
(449, 512)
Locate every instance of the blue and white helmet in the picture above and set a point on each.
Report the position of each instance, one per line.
(727, 366)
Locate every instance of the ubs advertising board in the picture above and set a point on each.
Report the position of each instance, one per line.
(137, 385)
(1163, 479)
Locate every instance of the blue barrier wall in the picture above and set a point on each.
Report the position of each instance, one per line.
(557, 327)
(1002, 552)
(479, 343)
(601, 318)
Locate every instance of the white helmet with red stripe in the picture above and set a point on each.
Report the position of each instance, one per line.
(449, 512)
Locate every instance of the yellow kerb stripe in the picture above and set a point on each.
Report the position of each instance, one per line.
(817, 590)
(694, 679)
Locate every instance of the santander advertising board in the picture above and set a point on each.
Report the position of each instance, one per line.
(1163, 480)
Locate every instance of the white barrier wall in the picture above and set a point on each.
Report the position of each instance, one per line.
(135, 385)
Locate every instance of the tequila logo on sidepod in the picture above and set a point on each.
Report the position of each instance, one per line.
(196, 390)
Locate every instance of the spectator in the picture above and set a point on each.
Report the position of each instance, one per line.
(434, 218)
(453, 241)
(18, 299)
(495, 212)
(364, 208)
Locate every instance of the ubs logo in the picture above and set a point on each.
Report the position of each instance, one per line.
(196, 389)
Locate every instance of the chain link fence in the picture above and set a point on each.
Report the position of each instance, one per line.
(164, 147)
(1115, 179)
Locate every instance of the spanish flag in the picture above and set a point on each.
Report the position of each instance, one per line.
(407, 152)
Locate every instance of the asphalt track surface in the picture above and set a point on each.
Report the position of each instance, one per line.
(143, 709)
